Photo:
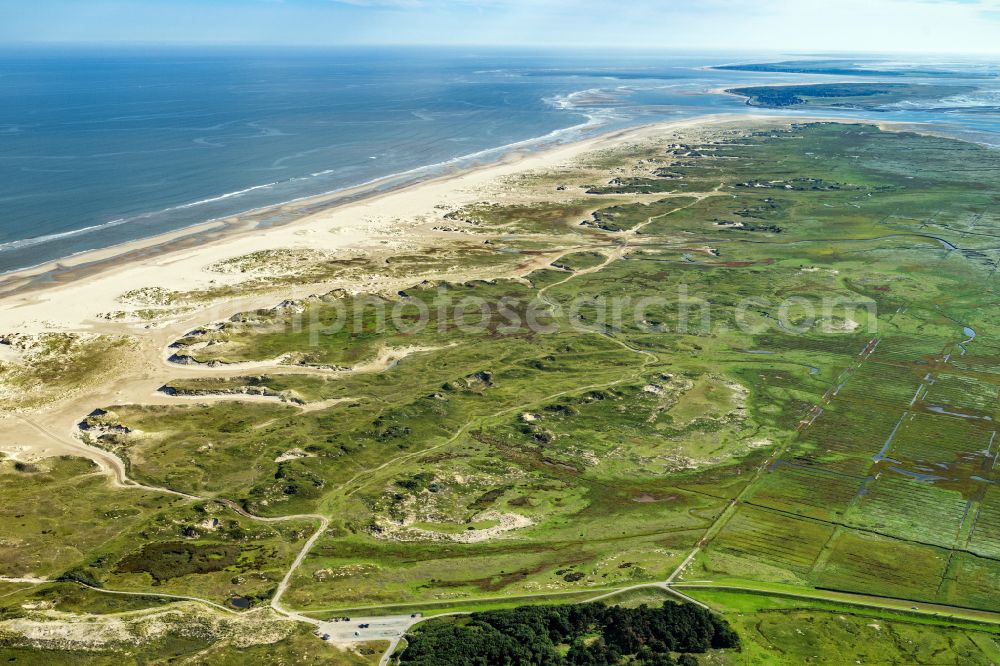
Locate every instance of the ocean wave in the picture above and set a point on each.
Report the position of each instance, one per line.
(221, 197)
(38, 240)
(594, 119)
(973, 100)
(581, 100)
(206, 141)
(47, 238)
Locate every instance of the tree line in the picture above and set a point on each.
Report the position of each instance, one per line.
(590, 634)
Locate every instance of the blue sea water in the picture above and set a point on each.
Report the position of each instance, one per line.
(101, 147)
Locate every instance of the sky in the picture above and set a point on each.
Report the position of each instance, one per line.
(929, 26)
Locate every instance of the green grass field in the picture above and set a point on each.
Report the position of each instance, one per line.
(613, 441)
(787, 382)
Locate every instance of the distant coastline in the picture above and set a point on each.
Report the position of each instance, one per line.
(839, 67)
(874, 97)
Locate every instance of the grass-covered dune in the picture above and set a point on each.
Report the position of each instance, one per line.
(503, 460)
(769, 355)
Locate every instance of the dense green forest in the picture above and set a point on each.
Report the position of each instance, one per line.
(580, 635)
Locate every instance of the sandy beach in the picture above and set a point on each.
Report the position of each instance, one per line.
(69, 295)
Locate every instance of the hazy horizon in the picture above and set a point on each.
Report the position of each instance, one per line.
(848, 26)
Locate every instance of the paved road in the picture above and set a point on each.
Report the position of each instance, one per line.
(852, 599)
